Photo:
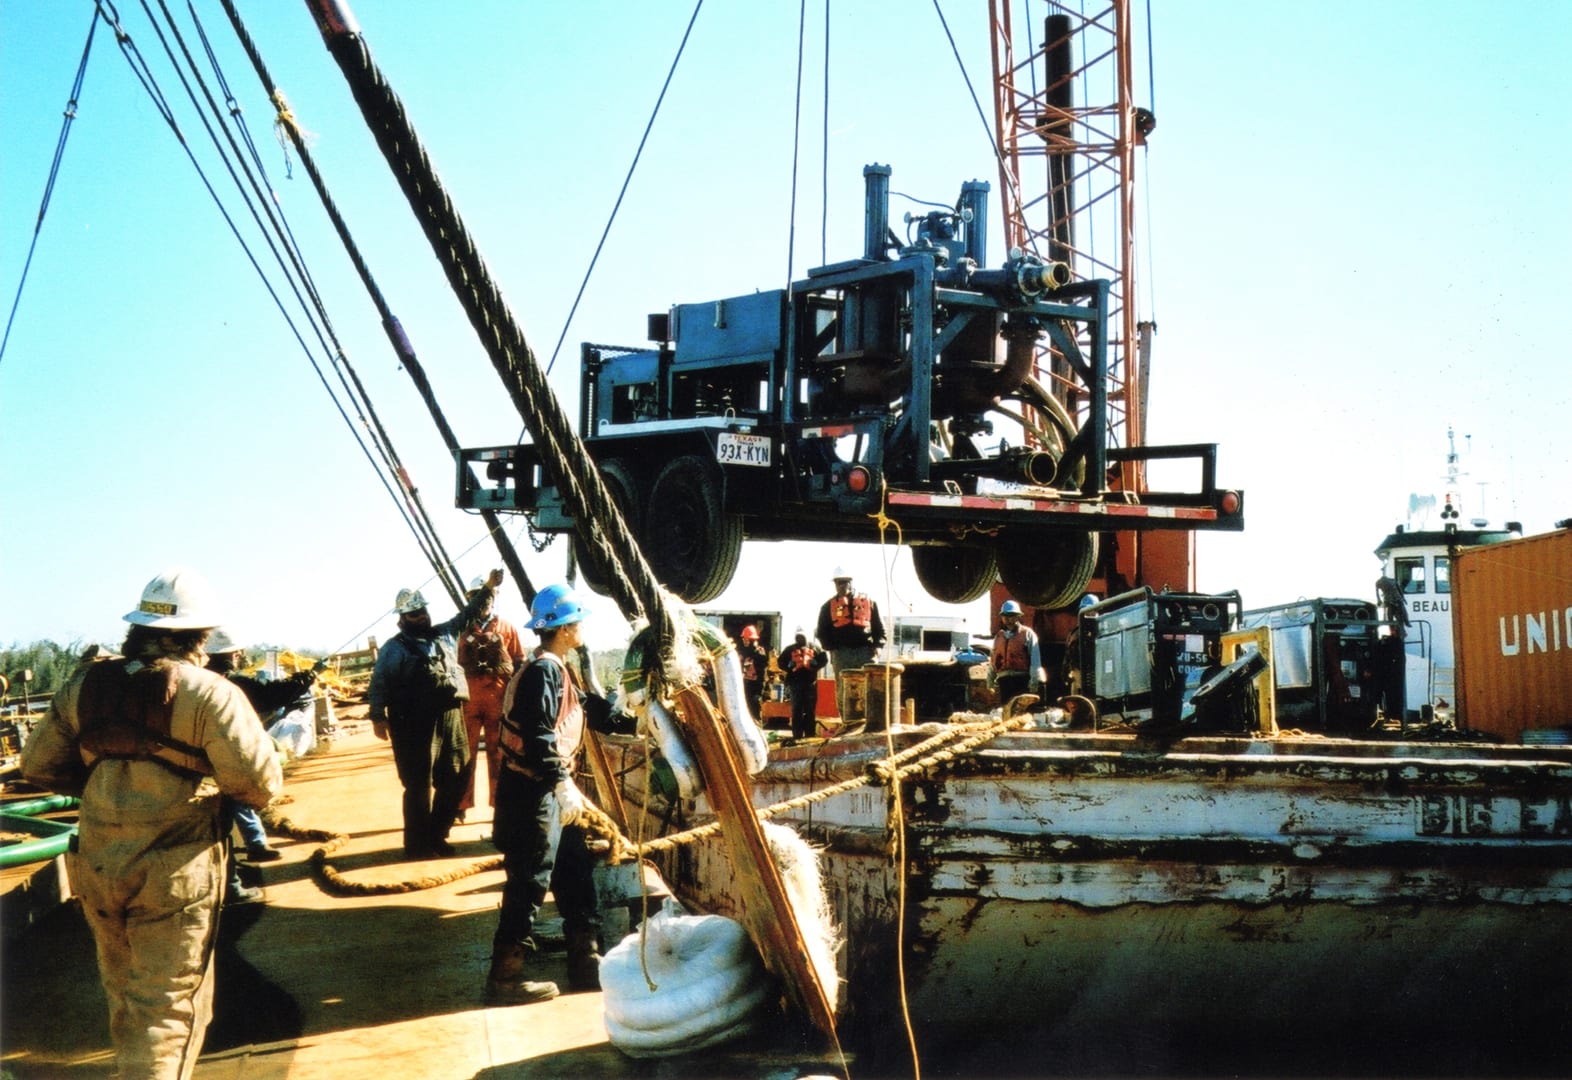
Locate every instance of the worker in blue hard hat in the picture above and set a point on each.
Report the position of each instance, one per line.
(1017, 655)
(417, 700)
(537, 809)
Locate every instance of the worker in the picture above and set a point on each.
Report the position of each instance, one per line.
(802, 661)
(226, 658)
(537, 808)
(489, 650)
(417, 695)
(850, 628)
(149, 740)
(1017, 656)
(755, 665)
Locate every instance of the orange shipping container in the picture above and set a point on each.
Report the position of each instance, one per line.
(1512, 624)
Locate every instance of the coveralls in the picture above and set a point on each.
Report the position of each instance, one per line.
(418, 690)
(149, 862)
(488, 652)
(542, 729)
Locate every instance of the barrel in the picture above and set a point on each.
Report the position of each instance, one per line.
(883, 694)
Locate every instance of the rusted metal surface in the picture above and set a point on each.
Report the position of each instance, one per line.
(1512, 624)
(1049, 870)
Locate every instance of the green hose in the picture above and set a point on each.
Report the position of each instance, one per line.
(53, 837)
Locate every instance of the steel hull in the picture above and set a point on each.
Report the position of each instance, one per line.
(1055, 882)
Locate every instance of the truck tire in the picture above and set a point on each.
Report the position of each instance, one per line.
(955, 574)
(690, 540)
(623, 487)
(1046, 568)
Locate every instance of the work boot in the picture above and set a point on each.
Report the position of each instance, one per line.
(506, 984)
(583, 962)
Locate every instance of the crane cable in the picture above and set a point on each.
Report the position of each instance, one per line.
(626, 180)
(54, 173)
(391, 324)
(630, 581)
(406, 497)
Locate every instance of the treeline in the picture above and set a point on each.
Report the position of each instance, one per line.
(51, 665)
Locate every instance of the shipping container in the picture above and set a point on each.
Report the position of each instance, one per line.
(1512, 621)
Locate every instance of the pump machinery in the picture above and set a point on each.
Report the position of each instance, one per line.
(904, 386)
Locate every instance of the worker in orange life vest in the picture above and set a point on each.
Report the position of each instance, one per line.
(850, 628)
(1017, 656)
(801, 663)
(488, 651)
(755, 665)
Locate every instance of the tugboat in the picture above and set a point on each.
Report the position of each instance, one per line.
(1416, 588)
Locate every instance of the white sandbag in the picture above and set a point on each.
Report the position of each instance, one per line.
(674, 748)
(709, 985)
(296, 730)
(732, 693)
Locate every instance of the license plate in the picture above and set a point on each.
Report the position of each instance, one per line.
(737, 449)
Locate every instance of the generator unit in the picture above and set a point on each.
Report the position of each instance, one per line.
(898, 386)
(1143, 654)
(1338, 666)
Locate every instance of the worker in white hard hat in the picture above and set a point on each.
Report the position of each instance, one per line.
(538, 806)
(489, 650)
(149, 740)
(226, 658)
(1017, 655)
(801, 661)
(417, 700)
(851, 630)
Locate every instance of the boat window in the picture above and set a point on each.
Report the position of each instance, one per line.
(1410, 574)
(1443, 573)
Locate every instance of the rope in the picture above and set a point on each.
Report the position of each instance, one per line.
(886, 772)
(286, 122)
(335, 883)
(630, 581)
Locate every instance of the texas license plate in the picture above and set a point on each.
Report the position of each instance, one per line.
(734, 448)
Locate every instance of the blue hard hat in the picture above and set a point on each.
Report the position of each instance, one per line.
(1009, 607)
(554, 606)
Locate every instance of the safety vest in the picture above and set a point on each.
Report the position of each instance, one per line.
(125, 709)
(481, 651)
(800, 658)
(569, 724)
(1013, 652)
(750, 666)
(854, 610)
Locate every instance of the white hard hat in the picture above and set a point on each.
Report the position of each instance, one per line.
(841, 574)
(219, 641)
(476, 583)
(177, 599)
(408, 600)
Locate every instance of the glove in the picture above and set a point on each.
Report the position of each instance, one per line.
(570, 800)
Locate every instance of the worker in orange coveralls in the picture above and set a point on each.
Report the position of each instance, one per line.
(489, 650)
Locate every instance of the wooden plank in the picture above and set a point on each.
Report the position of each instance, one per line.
(609, 794)
(766, 909)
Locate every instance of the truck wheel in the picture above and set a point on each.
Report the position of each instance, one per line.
(690, 540)
(623, 487)
(955, 574)
(1047, 569)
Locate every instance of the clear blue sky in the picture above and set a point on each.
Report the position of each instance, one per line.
(1358, 229)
